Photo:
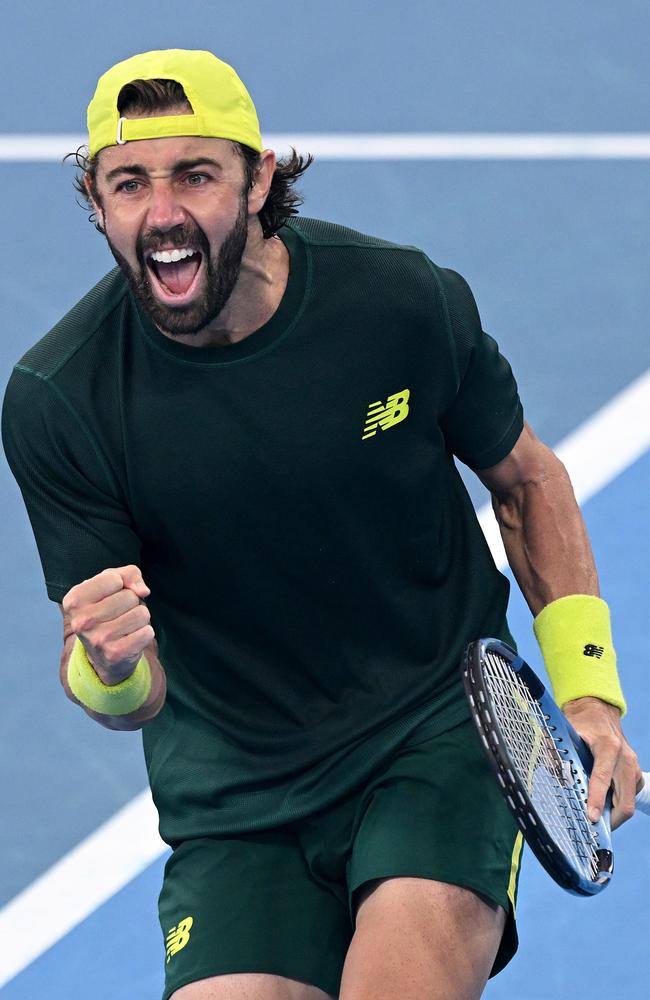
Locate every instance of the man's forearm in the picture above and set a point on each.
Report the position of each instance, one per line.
(134, 720)
(548, 550)
(545, 538)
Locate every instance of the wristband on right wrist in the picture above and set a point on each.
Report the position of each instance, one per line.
(575, 637)
(107, 699)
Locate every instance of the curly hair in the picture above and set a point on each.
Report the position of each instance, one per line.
(150, 97)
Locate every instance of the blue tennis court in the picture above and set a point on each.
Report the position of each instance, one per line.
(556, 250)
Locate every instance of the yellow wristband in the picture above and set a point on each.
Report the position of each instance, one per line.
(108, 699)
(575, 637)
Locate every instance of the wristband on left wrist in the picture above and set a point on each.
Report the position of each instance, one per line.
(575, 637)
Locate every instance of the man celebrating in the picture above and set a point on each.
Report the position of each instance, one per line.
(237, 457)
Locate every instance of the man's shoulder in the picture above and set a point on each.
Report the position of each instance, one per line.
(318, 232)
(396, 262)
(322, 233)
(92, 313)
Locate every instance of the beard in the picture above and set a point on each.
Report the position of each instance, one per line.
(220, 275)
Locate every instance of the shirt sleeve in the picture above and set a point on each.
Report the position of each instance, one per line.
(485, 418)
(80, 522)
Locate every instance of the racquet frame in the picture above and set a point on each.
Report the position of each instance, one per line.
(573, 759)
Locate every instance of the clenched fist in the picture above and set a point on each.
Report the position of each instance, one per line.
(110, 617)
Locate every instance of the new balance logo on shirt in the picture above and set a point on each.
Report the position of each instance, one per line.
(591, 650)
(382, 416)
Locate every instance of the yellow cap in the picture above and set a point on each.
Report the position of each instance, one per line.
(221, 106)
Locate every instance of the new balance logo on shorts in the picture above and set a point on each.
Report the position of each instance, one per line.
(178, 936)
(591, 650)
(382, 416)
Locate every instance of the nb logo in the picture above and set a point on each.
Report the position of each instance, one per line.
(382, 417)
(591, 650)
(178, 936)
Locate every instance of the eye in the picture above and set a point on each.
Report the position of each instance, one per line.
(196, 180)
(129, 187)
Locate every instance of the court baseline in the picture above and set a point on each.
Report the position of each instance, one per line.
(393, 146)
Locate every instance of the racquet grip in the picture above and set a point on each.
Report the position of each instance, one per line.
(643, 797)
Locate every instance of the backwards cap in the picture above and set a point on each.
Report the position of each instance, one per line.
(221, 105)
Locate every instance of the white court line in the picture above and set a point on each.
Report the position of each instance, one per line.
(102, 864)
(78, 884)
(34, 148)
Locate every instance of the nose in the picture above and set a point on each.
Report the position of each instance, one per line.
(164, 211)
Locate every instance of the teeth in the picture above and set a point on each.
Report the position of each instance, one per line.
(167, 256)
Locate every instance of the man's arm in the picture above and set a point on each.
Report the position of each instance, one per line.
(108, 615)
(549, 553)
(541, 525)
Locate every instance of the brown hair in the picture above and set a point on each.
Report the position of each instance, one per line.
(149, 97)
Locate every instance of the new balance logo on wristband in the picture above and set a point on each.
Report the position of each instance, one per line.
(591, 650)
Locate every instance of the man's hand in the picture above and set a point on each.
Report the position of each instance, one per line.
(109, 615)
(615, 762)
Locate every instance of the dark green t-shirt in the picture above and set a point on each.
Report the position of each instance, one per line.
(315, 564)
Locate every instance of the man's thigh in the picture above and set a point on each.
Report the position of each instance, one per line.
(249, 986)
(418, 939)
(434, 828)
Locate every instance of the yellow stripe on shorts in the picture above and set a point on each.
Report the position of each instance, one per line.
(514, 868)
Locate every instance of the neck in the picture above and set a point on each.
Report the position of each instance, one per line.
(256, 296)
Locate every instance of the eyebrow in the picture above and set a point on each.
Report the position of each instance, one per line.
(178, 167)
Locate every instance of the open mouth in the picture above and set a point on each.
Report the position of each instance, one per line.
(175, 274)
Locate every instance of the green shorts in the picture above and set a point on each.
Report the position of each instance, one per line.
(282, 901)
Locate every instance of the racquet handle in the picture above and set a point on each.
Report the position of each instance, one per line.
(643, 797)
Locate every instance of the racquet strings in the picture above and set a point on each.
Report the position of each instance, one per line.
(540, 767)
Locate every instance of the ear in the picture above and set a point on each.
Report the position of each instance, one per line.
(262, 183)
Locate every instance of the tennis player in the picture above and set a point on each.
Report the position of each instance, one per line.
(237, 455)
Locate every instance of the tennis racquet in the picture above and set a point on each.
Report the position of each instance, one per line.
(542, 767)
